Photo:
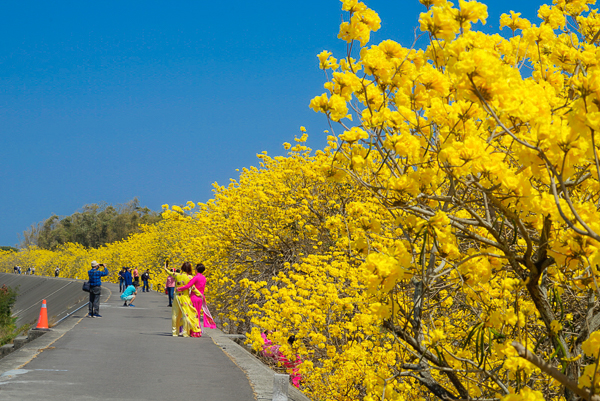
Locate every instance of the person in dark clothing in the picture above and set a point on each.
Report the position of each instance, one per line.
(145, 278)
(95, 276)
(122, 280)
(127, 278)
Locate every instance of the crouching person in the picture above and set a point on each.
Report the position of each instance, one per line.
(129, 294)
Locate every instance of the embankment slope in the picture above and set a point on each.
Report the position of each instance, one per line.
(62, 296)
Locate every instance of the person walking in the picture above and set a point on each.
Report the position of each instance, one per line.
(145, 279)
(95, 276)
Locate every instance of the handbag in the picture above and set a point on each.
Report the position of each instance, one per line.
(86, 286)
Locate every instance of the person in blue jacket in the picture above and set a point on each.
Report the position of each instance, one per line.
(127, 278)
(95, 276)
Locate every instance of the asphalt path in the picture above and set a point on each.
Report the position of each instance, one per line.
(128, 354)
(62, 296)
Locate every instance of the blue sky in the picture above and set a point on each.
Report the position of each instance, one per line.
(107, 101)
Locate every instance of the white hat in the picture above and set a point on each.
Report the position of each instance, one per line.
(94, 263)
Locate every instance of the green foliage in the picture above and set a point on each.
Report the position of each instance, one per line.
(8, 248)
(94, 226)
(8, 297)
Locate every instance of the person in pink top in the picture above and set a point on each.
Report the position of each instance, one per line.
(136, 276)
(199, 302)
(170, 286)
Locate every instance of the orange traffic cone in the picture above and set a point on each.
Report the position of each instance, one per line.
(43, 319)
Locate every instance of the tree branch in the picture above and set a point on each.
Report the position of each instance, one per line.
(552, 371)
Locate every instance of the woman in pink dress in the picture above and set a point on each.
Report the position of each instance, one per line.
(199, 302)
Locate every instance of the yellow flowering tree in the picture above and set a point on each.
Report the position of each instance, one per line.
(262, 225)
(482, 148)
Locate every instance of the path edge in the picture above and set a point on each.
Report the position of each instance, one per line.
(25, 354)
(260, 375)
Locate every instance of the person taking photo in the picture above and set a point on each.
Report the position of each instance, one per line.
(95, 276)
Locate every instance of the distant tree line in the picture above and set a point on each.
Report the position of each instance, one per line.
(8, 248)
(94, 226)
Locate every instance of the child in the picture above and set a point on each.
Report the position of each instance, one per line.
(129, 294)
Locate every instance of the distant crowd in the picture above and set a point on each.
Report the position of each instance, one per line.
(126, 276)
(30, 270)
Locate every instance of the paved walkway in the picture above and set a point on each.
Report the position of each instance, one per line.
(129, 354)
(62, 294)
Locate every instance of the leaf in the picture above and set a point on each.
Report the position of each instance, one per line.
(471, 333)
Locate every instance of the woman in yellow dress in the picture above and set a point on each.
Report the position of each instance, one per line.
(183, 309)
